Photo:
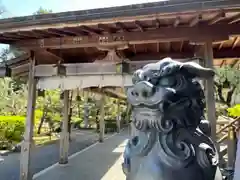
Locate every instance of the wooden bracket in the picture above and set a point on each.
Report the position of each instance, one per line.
(112, 55)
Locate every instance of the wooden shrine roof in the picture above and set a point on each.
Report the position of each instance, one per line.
(145, 31)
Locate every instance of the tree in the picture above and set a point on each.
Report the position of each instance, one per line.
(13, 102)
(227, 83)
(42, 11)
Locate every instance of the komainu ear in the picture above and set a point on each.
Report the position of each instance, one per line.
(196, 70)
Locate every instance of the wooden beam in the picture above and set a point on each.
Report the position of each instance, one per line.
(40, 34)
(227, 53)
(7, 35)
(181, 46)
(235, 61)
(221, 45)
(222, 63)
(168, 46)
(55, 32)
(121, 26)
(195, 20)
(157, 23)
(89, 30)
(196, 34)
(30, 35)
(235, 42)
(158, 47)
(220, 16)
(106, 28)
(110, 92)
(51, 32)
(139, 26)
(64, 30)
(176, 22)
(235, 19)
(51, 54)
(112, 56)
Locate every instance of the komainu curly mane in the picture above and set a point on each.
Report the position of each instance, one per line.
(173, 140)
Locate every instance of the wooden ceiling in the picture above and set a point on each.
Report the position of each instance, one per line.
(138, 32)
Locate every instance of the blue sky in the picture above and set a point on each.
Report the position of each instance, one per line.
(27, 7)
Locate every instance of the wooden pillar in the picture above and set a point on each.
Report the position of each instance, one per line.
(209, 90)
(232, 147)
(27, 142)
(101, 119)
(86, 114)
(64, 136)
(118, 118)
(128, 118)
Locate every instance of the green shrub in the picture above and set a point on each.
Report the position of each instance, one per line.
(11, 128)
(234, 111)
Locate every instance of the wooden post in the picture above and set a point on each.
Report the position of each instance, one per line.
(118, 118)
(101, 119)
(209, 90)
(27, 143)
(232, 147)
(86, 110)
(128, 118)
(64, 136)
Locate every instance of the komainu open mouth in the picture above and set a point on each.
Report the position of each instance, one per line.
(146, 118)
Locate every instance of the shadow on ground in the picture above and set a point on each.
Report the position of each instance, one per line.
(45, 156)
(92, 164)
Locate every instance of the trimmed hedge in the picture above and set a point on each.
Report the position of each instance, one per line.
(11, 130)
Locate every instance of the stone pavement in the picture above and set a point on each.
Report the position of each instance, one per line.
(45, 156)
(99, 162)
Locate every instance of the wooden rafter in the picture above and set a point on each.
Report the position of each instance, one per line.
(221, 45)
(235, 42)
(176, 22)
(28, 35)
(158, 47)
(234, 62)
(40, 34)
(184, 54)
(45, 33)
(121, 26)
(68, 32)
(195, 20)
(235, 19)
(181, 46)
(53, 55)
(7, 35)
(139, 26)
(106, 28)
(220, 16)
(134, 49)
(54, 32)
(9, 38)
(168, 46)
(157, 23)
(89, 30)
(216, 32)
(223, 63)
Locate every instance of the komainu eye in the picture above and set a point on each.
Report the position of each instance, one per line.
(167, 81)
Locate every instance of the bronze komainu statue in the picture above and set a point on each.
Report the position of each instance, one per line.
(173, 138)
